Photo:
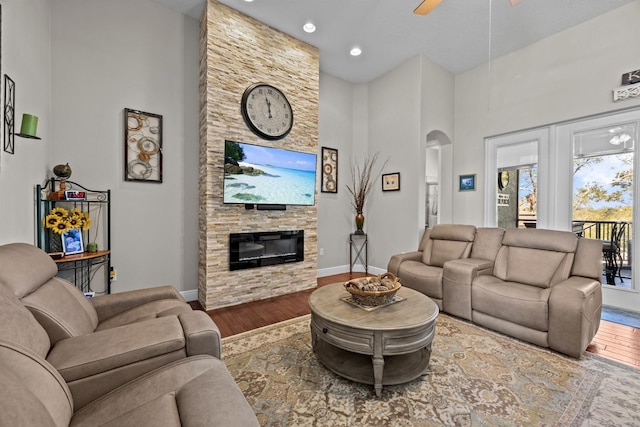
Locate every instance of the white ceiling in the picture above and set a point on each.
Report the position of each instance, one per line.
(458, 35)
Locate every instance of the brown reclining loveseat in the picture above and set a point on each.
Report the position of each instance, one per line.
(541, 286)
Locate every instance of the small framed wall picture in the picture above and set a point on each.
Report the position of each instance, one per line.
(467, 183)
(391, 181)
(329, 170)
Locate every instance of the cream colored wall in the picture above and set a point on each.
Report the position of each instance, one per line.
(335, 217)
(395, 114)
(111, 55)
(566, 76)
(26, 59)
(238, 51)
(403, 106)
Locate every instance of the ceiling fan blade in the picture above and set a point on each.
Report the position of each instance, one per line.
(426, 6)
(514, 2)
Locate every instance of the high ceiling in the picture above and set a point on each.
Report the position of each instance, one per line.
(458, 35)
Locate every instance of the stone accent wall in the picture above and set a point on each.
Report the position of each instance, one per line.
(235, 52)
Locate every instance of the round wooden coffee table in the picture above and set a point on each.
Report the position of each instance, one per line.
(384, 346)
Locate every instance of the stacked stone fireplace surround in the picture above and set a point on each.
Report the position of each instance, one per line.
(235, 52)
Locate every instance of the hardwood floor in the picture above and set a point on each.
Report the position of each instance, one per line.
(613, 341)
(617, 342)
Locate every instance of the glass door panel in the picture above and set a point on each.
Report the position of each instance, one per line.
(602, 202)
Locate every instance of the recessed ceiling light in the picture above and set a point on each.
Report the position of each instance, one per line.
(248, 1)
(355, 51)
(309, 27)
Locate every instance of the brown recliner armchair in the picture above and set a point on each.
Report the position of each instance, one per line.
(100, 343)
(191, 391)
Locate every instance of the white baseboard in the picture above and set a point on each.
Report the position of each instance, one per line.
(191, 295)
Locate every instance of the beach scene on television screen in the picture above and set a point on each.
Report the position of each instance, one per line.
(266, 175)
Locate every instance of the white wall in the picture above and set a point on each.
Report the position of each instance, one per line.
(26, 59)
(335, 217)
(566, 76)
(393, 217)
(111, 55)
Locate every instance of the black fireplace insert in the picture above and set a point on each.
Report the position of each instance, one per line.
(260, 249)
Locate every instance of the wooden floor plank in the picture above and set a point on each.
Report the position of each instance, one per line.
(613, 341)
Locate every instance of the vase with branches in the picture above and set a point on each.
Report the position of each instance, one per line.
(362, 179)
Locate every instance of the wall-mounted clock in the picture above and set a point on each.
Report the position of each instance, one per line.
(267, 111)
(503, 180)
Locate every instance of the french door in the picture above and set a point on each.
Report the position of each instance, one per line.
(582, 178)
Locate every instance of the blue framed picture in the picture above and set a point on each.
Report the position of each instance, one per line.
(72, 242)
(467, 183)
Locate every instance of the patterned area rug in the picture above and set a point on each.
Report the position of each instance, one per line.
(476, 378)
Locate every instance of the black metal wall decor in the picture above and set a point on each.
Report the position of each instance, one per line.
(9, 114)
(142, 146)
(1, 133)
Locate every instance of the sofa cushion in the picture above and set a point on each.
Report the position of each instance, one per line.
(536, 238)
(521, 304)
(487, 243)
(61, 309)
(32, 392)
(533, 267)
(23, 268)
(102, 351)
(199, 390)
(583, 264)
(462, 233)
(150, 310)
(422, 278)
(17, 325)
(447, 242)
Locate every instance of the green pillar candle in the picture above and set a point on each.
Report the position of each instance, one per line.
(29, 125)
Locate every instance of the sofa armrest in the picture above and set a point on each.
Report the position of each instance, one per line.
(457, 276)
(575, 306)
(201, 333)
(91, 354)
(107, 306)
(396, 260)
(96, 363)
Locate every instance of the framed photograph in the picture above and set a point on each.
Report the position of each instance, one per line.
(142, 146)
(72, 242)
(329, 170)
(75, 195)
(391, 181)
(467, 183)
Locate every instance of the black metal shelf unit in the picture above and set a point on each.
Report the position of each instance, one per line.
(81, 268)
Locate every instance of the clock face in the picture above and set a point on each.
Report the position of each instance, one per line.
(267, 111)
(503, 180)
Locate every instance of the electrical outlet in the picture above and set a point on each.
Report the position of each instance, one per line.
(321, 251)
(113, 274)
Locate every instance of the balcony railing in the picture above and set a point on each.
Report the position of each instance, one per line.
(596, 229)
(602, 230)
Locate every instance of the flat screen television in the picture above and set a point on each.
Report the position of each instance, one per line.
(254, 174)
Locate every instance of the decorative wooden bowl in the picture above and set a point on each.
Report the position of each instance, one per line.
(373, 291)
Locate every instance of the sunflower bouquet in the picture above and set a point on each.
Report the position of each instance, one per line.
(60, 220)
